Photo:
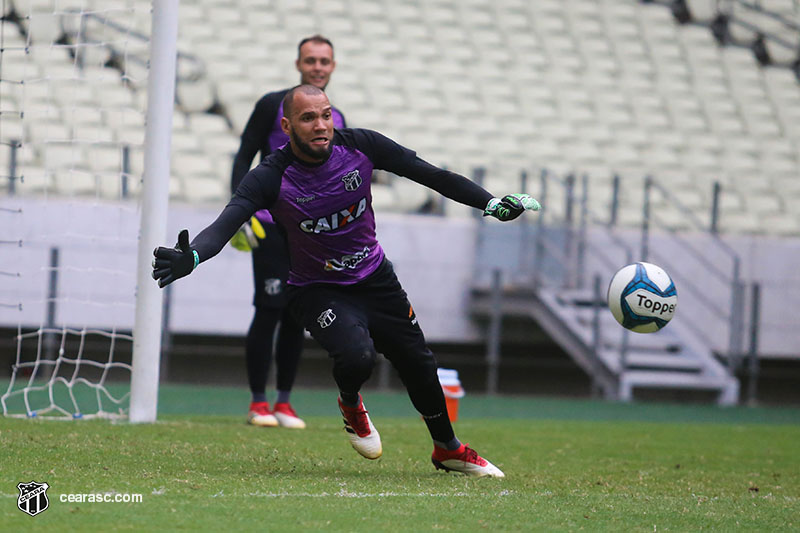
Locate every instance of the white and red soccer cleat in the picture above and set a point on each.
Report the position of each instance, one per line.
(362, 434)
(260, 415)
(287, 417)
(465, 460)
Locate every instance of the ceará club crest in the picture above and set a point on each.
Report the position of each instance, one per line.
(352, 180)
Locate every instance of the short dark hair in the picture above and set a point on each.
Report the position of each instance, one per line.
(289, 97)
(319, 39)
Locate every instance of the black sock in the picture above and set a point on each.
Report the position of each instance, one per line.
(283, 396)
(350, 399)
(453, 444)
(258, 348)
(259, 397)
(439, 427)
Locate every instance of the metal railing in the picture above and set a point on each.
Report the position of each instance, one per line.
(562, 250)
(732, 279)
(76, 37)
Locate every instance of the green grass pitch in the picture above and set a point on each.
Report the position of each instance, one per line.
(570, 465)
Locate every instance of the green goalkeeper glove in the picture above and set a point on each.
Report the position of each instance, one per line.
(510, 206)
(173, 263)
(246, 239)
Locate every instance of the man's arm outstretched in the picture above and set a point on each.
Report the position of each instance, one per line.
(388, 155)
(170, 264)
(258, 190)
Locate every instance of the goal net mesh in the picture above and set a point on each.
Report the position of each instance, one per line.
(73, 77)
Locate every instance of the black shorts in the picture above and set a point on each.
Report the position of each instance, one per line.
(377, 303)
(270, 269)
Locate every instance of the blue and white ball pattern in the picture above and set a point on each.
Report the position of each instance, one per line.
(642, 297)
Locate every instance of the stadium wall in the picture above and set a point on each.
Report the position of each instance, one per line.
(434, 258)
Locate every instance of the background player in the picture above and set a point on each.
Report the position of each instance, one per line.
(269, 254)
(342, 287)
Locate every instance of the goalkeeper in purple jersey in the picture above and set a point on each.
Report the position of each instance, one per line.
(270, 259)
(341, 286)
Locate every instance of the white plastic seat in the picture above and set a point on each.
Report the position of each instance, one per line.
(781, 224)
(58, 156)
(779, 164)
(194, 97)
(702, 10)
(34, 180)
(104, 157)
(76, 182)
(202, 124)
(44, 27)
(741, 32)
(12, 129)
(131, 135)
(741, 222)
(91, 133)
(44, 130)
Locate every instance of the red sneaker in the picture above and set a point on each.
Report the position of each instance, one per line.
(465, 460)
(287, 417)
(260, 415)
(362, 434)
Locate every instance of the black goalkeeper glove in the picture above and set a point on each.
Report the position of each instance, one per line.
(173, 263)
(510, 206)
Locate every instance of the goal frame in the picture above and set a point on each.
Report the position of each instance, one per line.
(155, 202)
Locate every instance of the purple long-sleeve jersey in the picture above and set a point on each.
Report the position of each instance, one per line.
(326, 210)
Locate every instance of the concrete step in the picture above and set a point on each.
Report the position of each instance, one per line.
(673, 380)
(661, 361)
(657, 361)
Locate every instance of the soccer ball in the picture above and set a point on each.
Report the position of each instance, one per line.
(642, 297)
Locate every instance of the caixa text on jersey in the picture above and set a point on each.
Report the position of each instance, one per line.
(335, 220)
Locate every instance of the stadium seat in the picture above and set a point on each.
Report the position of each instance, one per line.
(702, 10)
(613, 84)
(36, 180)
(104, 157)
(780, 224)
(195, 97)
(43, 27)
(13, 126)
(75, 182)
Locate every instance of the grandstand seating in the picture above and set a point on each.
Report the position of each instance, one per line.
(595, 86)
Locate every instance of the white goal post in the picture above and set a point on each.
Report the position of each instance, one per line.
(155, 196)
(84, 189)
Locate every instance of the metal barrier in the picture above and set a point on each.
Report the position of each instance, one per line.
(562, 250)
(734, 315)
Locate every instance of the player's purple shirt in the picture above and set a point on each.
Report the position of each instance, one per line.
(326, 210)
(327, 214)
(278, 139)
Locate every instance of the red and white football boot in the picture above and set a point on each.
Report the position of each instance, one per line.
(465, 460)
(362, 434)
(260, 415)
(287, 417)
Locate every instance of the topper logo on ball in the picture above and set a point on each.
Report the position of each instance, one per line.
(646, 304)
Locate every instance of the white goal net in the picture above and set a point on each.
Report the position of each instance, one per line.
(73, 101)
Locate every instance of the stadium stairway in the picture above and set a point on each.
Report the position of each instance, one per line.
(554, 271)
(619, 362)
